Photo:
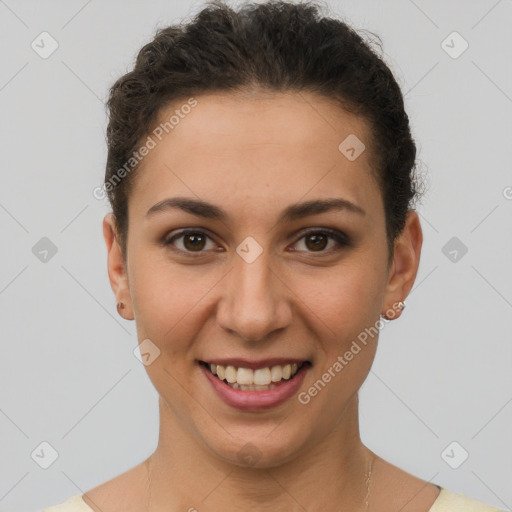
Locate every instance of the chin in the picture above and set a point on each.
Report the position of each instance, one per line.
(259, 447)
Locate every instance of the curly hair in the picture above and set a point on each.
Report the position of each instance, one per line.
(276, 46)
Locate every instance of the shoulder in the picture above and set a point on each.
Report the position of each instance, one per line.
(449, 501)
(73, 504)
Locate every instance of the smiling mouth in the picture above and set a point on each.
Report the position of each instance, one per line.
(261, 379)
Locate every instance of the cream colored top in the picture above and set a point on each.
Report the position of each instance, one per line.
(447, 501)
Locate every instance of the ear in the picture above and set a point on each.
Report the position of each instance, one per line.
(404, 267)
(116, 265)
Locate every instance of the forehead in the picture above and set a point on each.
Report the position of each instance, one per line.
(283, 145)
(301, 120)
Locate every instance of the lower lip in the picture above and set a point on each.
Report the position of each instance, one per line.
(256, 400)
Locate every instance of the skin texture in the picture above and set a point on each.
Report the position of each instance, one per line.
(253, 155)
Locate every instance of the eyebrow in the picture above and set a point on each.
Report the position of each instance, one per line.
(293, 212)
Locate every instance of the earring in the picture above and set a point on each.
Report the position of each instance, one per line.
(390, 314)
(120, 306)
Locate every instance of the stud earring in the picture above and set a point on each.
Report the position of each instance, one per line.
(120, 306)
(390, 314)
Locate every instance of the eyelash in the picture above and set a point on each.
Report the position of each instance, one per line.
(340, 238)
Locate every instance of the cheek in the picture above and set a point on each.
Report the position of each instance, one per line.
(347, 298)
(168, 299)
(343, 312)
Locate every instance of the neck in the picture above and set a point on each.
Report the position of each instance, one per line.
(185, 475)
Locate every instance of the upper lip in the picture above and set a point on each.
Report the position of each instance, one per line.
(254, 365)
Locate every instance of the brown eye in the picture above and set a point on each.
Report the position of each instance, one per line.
(194, 241)
(318, 241)
(191, 241)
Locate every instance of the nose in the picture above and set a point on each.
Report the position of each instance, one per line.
(256, 300)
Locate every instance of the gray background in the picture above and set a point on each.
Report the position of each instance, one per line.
(68, 373)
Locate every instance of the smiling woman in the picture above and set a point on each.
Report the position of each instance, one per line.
(261, 240)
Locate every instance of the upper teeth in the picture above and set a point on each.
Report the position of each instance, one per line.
(247, 376)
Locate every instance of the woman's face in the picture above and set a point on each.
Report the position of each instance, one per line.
(252, 289)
